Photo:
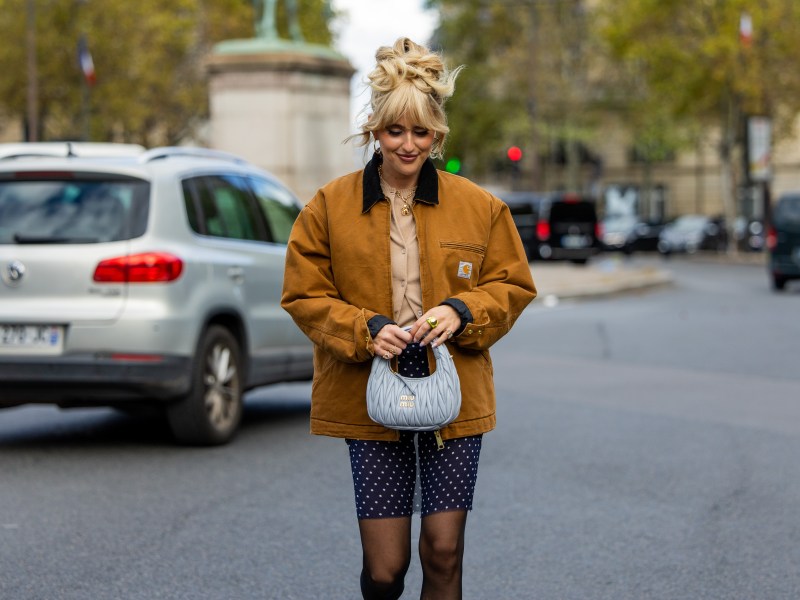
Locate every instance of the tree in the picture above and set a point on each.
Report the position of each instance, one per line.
(148, 56)
(693, 59)
(527, 83)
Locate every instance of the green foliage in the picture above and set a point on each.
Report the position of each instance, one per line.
(526, 82)
(148, 55)
(688, 55)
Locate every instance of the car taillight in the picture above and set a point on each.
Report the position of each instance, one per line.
(598, 230)
(149, 267)
(543, 230)
(772, 238)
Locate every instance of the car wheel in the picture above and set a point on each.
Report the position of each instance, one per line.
(778, 282)
(212, 410)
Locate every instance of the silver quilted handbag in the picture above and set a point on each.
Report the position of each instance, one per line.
(414, 403)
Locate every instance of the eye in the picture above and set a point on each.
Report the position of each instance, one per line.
(394, 132)
(421, 132)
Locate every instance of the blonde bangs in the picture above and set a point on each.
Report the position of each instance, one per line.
(408, 101)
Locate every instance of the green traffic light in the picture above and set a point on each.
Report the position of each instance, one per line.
(453, 165)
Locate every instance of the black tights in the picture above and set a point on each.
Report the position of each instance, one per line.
(386, 544)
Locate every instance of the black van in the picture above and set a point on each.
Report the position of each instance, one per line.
(555, 226)
(783, 240)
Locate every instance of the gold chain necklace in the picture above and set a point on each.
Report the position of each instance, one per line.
(408, 199)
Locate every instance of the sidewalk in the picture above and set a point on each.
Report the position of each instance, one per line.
(612, 273)
(602, 276)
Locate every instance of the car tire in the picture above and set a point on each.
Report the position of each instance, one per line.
(210, 413)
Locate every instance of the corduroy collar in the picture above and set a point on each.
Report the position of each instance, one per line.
(427, 185)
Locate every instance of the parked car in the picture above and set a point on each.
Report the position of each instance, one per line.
(134, 277)
(690, 233)
(555, 226)
(783, 240)
(629, 233)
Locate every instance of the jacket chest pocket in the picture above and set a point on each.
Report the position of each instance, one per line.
(461, 263)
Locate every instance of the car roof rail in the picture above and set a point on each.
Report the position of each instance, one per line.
(67, 149)
(181, 151)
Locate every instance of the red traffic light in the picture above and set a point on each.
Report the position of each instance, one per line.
(514, 153)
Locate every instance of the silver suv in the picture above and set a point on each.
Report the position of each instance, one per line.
(132, 277)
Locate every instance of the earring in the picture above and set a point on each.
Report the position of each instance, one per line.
(376, 147)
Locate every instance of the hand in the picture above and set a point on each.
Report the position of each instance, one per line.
(390, 341)
(447, 323)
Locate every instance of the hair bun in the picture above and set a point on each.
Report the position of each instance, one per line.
(409, 62)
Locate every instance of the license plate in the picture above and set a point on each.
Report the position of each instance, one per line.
(31, 339)
(574, 241)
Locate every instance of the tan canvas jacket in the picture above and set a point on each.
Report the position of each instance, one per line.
(338, 276)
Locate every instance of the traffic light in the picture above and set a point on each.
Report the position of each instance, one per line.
(453, 165)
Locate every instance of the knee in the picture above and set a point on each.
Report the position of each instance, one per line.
(384, 583)
(441, 555)
(386, 575)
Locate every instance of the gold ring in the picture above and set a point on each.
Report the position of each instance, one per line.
(432, 321)
(387, 356)
(449, 334)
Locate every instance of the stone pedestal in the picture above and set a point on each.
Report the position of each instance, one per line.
(284, 107)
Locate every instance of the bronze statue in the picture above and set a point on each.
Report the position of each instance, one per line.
(266, 25)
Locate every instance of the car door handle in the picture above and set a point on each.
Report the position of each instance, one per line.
(236, 274)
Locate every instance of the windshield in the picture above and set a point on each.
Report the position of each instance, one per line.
(787, 211)
(72, 211)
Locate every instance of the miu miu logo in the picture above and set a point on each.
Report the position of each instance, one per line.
(407, 401)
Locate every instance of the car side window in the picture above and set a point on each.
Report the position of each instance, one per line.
(191, 205)
(788, 210)
(279, 206)
(226, 208)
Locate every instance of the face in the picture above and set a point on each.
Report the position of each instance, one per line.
(405, 147)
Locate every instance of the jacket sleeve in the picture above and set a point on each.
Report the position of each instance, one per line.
(504, 288)
(310, 296)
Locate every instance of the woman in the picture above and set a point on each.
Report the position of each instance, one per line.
(401, 245)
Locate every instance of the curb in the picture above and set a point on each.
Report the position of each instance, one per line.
(610, 274)
(556, 282)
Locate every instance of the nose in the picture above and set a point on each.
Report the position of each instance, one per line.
(408, 141)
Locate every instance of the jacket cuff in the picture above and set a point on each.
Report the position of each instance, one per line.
(462, 310)
(378, 322)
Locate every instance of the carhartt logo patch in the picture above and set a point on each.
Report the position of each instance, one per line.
(465, 270)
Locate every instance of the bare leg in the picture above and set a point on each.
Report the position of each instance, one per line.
(294, 24)
(266, 27)
(386, 544)
(441, 551)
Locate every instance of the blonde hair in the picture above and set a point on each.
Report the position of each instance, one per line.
(409, 80)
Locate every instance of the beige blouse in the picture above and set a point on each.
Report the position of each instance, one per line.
(406, 288)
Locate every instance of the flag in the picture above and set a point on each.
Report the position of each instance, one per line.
(85, 62)
(746, 30)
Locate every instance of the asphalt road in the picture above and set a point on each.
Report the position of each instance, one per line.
(647, 447)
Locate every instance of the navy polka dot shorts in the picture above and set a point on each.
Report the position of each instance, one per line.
(385, 473)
